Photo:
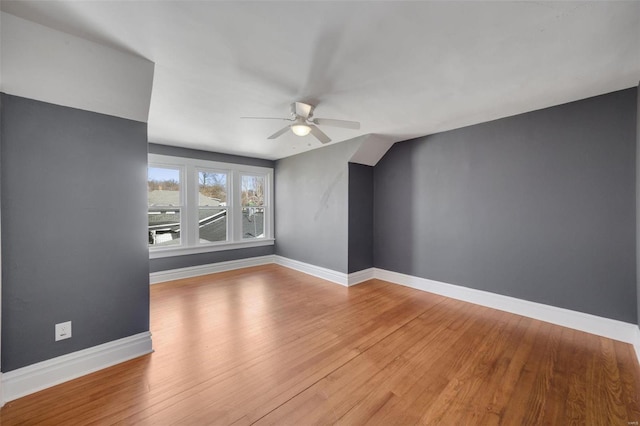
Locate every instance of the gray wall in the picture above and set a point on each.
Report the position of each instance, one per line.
(360, 217)
(638, 200)
(539, 206)
(176, 262)
(1, 120)
(73, 219)
(312, 206)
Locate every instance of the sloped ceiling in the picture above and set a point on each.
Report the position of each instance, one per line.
(50, 66)
(403, 69)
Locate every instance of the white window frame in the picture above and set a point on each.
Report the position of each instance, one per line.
(265, 206)
(189, 235)
(196, 191)
(181, 206)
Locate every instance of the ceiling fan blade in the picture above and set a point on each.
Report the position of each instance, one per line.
(301, 109)
(337, 123)
(267, 118)
(279, 133)
(319, 134)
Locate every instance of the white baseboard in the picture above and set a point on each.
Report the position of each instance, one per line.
(612, 329)
(195, 271)
(361, 276)
(636, 343)
(341, 278)
(36, 377)
(307, 268)
(317, 271)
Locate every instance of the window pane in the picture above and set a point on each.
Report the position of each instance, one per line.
(212, 189)
(212, 224)
(164, 186)
(164, 227)
(252, 222)
(253, 191)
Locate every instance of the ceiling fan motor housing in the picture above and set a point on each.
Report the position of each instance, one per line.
(300, 109)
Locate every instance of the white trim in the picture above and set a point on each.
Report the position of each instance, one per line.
(317, 271)
(636, 343)
(612, 329)
(179, 251)
(361, 276)
(35, 377)
(211, 268)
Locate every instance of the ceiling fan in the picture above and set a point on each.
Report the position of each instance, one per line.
(303, 123)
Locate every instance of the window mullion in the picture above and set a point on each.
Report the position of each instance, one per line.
(268, 220)
(191, 211)
(236, 208)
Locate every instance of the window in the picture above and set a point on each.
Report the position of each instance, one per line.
(252, 196)
(197, 206)
(165, 205)
(212, 206)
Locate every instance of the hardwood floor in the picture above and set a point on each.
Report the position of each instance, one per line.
(268, 345)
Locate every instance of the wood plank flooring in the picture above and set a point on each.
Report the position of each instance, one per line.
(268, 345)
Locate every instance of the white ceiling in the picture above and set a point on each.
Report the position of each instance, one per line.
(403, 69)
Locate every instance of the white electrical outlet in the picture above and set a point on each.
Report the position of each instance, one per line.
(63, 330)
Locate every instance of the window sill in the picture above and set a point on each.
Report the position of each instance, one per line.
(157, 253)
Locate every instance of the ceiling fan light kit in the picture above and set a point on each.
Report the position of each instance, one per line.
(303, 124)
(300, 128)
